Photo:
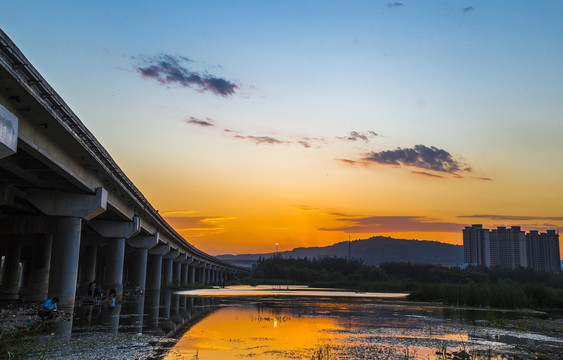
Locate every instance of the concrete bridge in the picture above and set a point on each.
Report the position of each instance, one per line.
(68, 214)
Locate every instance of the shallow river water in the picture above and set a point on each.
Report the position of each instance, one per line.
(294, 323)
(280, 324)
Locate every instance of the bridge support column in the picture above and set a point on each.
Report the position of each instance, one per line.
(10, 278)
(167, 261)
(69, 209)
(176, 271)
(154, 267)
(64, 261)
(186, 270)
(116, 253)
(166, 271)
(203, 278)
(191, 273)
(184, 274)
(139, 268)
(88, 260)
(154, 271)
(140, 258)
(38, 284)
(116, 232)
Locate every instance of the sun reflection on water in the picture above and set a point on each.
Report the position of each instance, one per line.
(234, 333)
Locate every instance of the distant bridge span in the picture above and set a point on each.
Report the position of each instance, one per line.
(68, 214)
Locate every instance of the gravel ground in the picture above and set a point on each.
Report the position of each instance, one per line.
(24, 336)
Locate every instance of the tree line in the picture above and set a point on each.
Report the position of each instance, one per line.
(471, 286)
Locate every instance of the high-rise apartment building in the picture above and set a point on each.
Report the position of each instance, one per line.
(476, 245)
(508, 247)
(511, 248)
(543, 251)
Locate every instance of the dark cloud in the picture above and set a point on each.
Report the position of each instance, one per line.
(469, 8)
(196, 121)
(426, 174)
(304, 143)
(421, 156)
(386, 224)
(260, 139)
(356, 135)
(512, 217)
(168, 69)
(395, 4)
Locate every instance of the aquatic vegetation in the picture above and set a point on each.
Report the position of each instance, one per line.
(321, 353)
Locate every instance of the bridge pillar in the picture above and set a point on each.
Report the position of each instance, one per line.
(142, 244)
(70, 209)
(116, 232)
(177, 268)
(184, 273)
(116, 253)
(88, 260)
(64, 261)
(10, 277)
(167, 260)
(154, 267)
(38, 283)
(203, 276)
(192, 271)
(176, 271)
(184, 277)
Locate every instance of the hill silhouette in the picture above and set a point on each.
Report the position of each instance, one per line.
(374, 251)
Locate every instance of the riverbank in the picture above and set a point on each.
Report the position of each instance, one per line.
(528, 332)
(24, 336)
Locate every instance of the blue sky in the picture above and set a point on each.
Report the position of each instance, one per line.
(480, 80)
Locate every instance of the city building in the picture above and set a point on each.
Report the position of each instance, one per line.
(476, 245)
(511, 248)
(543, 251)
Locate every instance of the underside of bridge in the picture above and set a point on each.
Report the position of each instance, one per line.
(68, 215)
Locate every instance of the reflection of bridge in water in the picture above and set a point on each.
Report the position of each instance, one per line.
(68, 214)
(164, 314)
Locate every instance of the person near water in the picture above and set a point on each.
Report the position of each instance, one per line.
(112, 297)
(138, 289)
(49, 309)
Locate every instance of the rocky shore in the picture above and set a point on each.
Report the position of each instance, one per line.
(24, 336)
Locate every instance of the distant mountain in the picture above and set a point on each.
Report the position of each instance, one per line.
(374, 251)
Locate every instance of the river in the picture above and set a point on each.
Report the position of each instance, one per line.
(299, 323)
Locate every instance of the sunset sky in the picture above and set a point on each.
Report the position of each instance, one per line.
(251, 123)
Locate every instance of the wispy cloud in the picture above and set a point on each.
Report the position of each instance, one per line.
(178, 212)
(426, 174)
(467, 9)
(204, 123)
(512, 217)
(395, 4)
(172, 70)
(305, 208)
(357, 135)
(354, 163)
(386, 224)
(421, 156)
(261, 139)
(186, 223)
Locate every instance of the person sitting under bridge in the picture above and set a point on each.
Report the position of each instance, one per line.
(49, 310)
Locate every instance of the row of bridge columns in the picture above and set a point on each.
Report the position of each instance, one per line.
(61, 252)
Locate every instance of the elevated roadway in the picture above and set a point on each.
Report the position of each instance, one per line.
(68, 213)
